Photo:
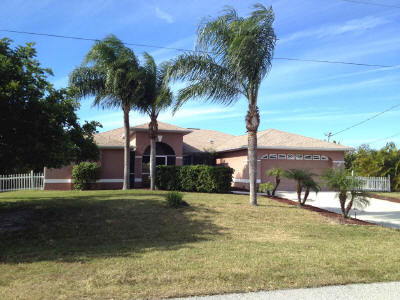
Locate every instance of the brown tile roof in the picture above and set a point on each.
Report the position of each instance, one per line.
(200, 139)
(111, 138)
(197, 140)
(162, 127)
(276, 139)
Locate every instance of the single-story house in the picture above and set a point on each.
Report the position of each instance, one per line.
(184, 146)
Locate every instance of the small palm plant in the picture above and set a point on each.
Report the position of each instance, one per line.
(303, 179)
(310, 185)
(348, 189)
(277, 173)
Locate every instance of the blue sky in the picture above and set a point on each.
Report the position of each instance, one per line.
(300, 97)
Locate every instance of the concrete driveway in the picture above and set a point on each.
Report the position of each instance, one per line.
(387, 291)
(380, 212)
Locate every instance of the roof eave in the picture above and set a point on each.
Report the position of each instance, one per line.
(161, 130)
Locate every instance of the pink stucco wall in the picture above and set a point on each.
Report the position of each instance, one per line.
(238, 161)
(112, 164)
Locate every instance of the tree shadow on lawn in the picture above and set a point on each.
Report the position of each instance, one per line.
(84, 227)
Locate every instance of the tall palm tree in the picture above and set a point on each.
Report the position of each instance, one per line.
(232, 56)
(110, 72)
(157, 97)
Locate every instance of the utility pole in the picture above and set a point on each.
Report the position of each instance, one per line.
(328, 135)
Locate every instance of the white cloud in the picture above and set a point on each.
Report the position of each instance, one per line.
(164, 15)
(355, 25)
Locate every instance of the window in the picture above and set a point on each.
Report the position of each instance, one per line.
(299, 156)
(281, 156)
(323, 157)
(272, 156)
(265, 156)
(308, 157)
(290, 156)
(317, 157)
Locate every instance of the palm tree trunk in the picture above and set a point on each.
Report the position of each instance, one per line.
(277, 182)
(152, 163)
(252, 122)
(307, 192)
(126, 184)
(299, 190)
(252, 157)
(153, 131)
(342, 200)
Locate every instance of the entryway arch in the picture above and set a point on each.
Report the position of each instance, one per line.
(165, 155)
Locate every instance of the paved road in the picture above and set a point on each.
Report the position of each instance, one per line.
(379, 211)
(387, 291)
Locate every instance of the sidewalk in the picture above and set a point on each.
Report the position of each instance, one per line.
(387, 291)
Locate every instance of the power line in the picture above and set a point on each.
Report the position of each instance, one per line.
(334, 62)
(187, 50)
(366, 120)
(371, 3)
(384, 139)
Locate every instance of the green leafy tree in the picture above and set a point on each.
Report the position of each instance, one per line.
(38, 124)
(348, 189)
(157, 97)
(233, 55)
(377, 163)
(111, 73)
(277, 173)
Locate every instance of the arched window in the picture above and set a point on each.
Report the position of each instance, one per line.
(165, 155)
(161, 149)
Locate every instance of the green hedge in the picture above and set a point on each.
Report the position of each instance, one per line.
(197, 178)
(85, 174)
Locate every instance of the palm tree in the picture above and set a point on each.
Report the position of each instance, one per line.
(232, 56)
(110, 72)
(277, 173)
(309, 184)
(157, 97)
(303, 179)
(347, 187)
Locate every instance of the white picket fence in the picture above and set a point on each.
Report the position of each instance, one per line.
(16, 182)
(374, 184)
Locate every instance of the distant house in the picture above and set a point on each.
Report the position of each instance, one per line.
(183, 146)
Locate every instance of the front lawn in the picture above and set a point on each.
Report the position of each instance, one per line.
(395, 195)
(123, 245)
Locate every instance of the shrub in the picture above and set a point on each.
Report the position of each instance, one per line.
(197, 178)
(85, 174)
(174, 199)
(266, 187)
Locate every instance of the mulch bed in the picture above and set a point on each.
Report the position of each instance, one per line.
(387, 198)
(325, 213)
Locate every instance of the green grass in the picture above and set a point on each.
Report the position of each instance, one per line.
(392, 194)
(123, 245)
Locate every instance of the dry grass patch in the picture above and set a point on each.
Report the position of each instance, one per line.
(122, 245)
